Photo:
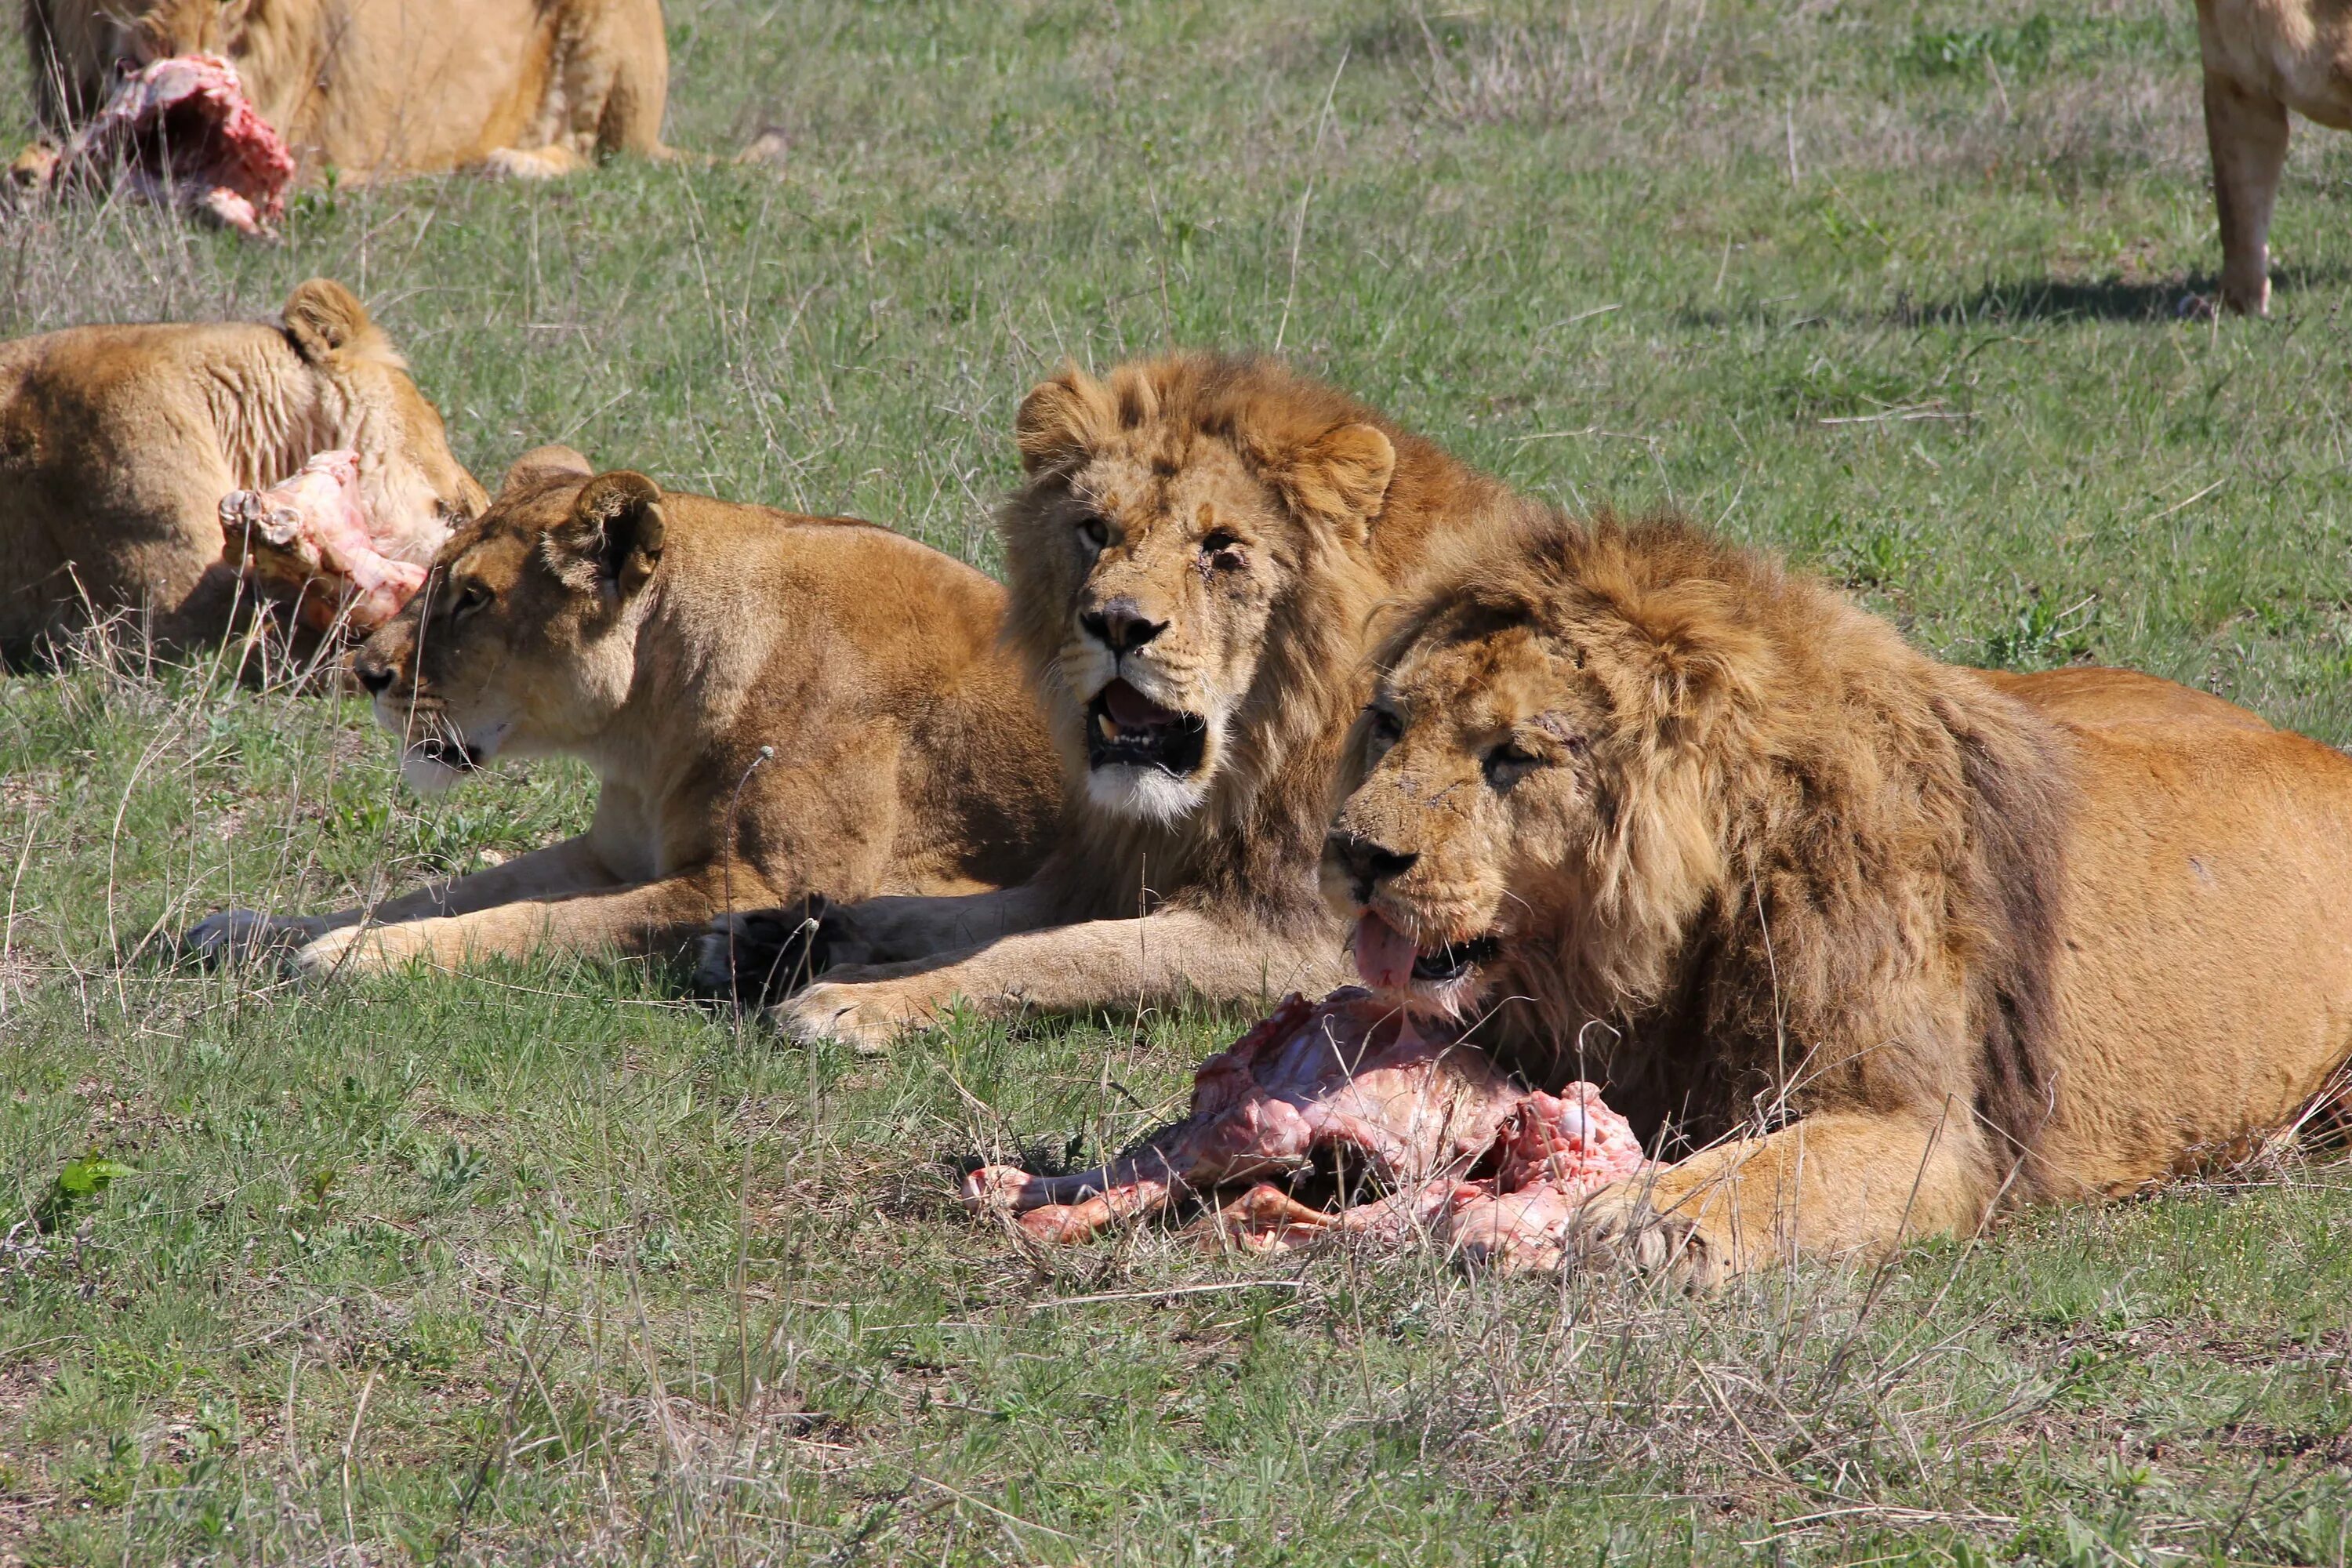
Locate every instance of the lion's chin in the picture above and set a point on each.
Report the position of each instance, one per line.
(431, 765)
(1146, 792)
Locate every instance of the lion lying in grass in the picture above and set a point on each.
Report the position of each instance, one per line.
(379, 88)
(1881, 942)
(118, 444)
(775, 707)
(1194, 563)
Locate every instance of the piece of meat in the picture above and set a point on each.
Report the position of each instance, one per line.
(179, 132)
(309, 541)
(1458, 1152)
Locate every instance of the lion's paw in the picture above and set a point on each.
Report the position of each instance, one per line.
(1619, 1223)
(866, 1018)
(359, 950)
(240, 936)
(753, 957)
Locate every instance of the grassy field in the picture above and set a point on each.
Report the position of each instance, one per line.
(543, 1264)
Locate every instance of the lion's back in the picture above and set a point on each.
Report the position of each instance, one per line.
(2204, 977)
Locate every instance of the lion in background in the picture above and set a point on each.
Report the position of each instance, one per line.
(1194, 562)
(775, 706)
(1873, 941)
(2262, 58)
(117, 443)
(382, 87)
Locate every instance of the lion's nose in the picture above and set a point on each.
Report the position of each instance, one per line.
(1367, 861)
(372, 671)
(1121, 626)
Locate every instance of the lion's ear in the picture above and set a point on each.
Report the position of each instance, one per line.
(1341, 476)
(614, 538)
(543, 464)
(327, 322)
(1063, 421)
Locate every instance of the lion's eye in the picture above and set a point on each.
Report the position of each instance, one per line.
(1509, 763)
(1093, 531)
(471, 596)
(1383, 728)
(1220, 550)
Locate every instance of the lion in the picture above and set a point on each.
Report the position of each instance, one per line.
(118, 444)
(1195, 561)
(1878, 945)
(372, 89)
(2262, 58)
(776, 707)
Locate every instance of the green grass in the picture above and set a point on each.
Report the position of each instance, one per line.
(541, 1264)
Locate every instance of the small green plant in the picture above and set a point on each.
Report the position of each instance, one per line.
(2023, 48)
(78, 1184)
(2042, 634)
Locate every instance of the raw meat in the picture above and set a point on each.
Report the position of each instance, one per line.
(307, 541)
(1461, 1154)
(181, 131)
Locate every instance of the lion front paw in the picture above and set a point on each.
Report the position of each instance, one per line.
(240, 936)
(359, 950)
(864, 1017)
(1619, 1225)
(753, 957)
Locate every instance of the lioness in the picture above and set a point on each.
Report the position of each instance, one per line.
(376, 88)
(2262, 58)
(775, 706)
(1881, 939)
(117, 445)
(1194, 561)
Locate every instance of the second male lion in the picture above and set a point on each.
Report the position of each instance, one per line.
(1875, 942)
(1194, 561)
(775, 707)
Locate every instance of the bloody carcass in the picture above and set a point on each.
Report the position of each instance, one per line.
(310, 542)
(179, 131)
(1412, 1134)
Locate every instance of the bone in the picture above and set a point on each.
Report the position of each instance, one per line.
(309, 541)
(1463, 1156)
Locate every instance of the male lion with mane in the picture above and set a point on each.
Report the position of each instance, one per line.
(379, 88)
(1873, 942)
(775, 706)
(1194, 562)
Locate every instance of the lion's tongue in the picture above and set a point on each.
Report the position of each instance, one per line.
(1383, 954)
(1132, 709)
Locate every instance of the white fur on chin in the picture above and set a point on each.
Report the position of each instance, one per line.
(428, 775)
(1453, 1002)
(1149, 793)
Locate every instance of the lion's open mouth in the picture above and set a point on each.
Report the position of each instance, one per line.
(449, 750)
(1127, 729)
(1444, 964)
(1388, 960)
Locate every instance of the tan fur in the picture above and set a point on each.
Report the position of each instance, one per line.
(1875, 942)
(377, 87)
(666, 639)
(2264, 58)
(117, 443)
(1261, 518)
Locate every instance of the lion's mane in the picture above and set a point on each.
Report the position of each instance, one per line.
(1808, 835)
